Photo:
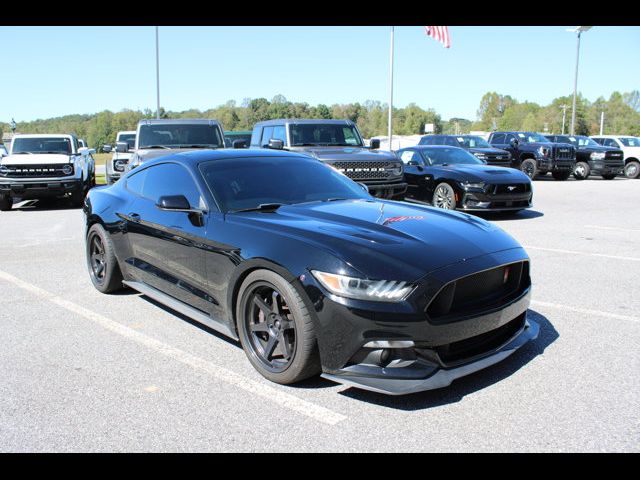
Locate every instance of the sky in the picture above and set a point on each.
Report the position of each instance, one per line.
(55, 71)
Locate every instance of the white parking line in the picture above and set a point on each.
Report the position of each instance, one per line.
(577, 252)
(602, 227)
(272, 394)
(586, 311)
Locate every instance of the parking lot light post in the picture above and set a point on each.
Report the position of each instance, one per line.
(579, 31)
(157, 75)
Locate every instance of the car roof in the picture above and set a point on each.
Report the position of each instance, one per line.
(613, 136)
(425, 147)
(303, 121)
(42, 135)
(178, 121)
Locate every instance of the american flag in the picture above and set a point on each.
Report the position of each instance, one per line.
(440, 34)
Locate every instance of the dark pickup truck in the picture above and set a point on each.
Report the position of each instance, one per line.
(337, 143)
(534, 154)
(592, 157)
(473, 144)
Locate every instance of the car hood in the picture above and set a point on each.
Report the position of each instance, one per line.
(36, 159)
(482, 173)
(382, 238)
(489, 151)
(348, 154)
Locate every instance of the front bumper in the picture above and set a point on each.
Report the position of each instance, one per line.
(604, 169)
(386, 190)
(546, 165)
(483, 202)
(39, 187)
(430, 375)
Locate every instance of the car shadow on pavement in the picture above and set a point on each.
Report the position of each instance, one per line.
(466, 385)
(502, 216)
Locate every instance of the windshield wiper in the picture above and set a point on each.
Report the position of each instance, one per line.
(200, 145)
(263, 207)
(304, 145)
(146, 147)
(22, 153)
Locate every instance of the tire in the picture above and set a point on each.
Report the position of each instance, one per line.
(108, 278)
(581, 171)
(529, 167)
(6, 202)
(444, 197)
(632, 169)
(561, 175)
(77, 196)
(609, 176)
(271, 315)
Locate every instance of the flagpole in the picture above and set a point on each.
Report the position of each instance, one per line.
(389, 132)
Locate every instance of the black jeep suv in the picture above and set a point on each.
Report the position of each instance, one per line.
(474, 144)
(592, 157)
(534, 154)
(339, 144)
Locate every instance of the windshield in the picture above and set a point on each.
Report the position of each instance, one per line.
(180, 135)
(630, 141)
(472, 141)
(42, 145)
(241, 183)
(324, 134)
(584, 141)
(130, 138)
(530, 137)
(450, 156)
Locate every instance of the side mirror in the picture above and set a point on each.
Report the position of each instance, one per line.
(514, 142)
(174, 202)
(374, 144)
(86, 151)
(275, 144)
(106, 148)
(241, 144)
(363, 186)
(122, 147)
(413, 163)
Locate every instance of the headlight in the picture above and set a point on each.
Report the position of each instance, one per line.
(473, 185)
(481, 156)
(544, 151)
(3, 170)
(597, 156)
(67, 169)
(396, 170)
(119, 165)
(361, 289)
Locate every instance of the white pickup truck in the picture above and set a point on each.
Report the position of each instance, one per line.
(125, 143)
(46, 165)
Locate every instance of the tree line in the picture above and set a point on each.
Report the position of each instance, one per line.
(496, 111)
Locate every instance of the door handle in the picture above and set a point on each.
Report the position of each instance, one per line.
(134, 217)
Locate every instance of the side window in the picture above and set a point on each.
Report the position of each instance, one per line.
(171, 179)
(427, 140)
(498, 138)
(409, 155)
(609, 142)
(267, 134)
(451, 141)
(279, 133)
(256, 135)
(135, 182)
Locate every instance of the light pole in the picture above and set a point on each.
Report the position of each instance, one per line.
(564, 113)
(579, 31)
(157, 75)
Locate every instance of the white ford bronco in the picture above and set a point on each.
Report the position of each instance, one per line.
(125, 143)
(46, 165)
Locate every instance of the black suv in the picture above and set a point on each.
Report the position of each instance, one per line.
(339, 144)
(592, 157)
(474, 144)
(534, 154)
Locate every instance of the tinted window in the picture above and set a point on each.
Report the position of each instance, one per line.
(498, 138)
(450, 156)
(170, 179)
(472, 141)
(267, 134)
(451, 141)
(241, 183)
(255, 137)
(324, 134)
(130, 138)
(135, 182)
(279, 133)
(630, 141)
(42, 145)
(428, 140)
(610, 142)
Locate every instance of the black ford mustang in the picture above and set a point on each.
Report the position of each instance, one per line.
(309, 271)
(452, 178)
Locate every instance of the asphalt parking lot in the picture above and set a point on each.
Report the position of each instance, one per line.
(83, 371)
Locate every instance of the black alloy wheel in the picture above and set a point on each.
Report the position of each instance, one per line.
(529, 168)
(96, 258)
(104, 270)
(276, 329)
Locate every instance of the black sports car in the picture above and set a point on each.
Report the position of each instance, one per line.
(310, 272)
(452, 178)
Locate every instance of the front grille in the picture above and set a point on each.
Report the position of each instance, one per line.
(468, 348)
(34, 171)
(508, 188)
(614, 158)
(479, 292)
(365, 170)
(564, 153)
